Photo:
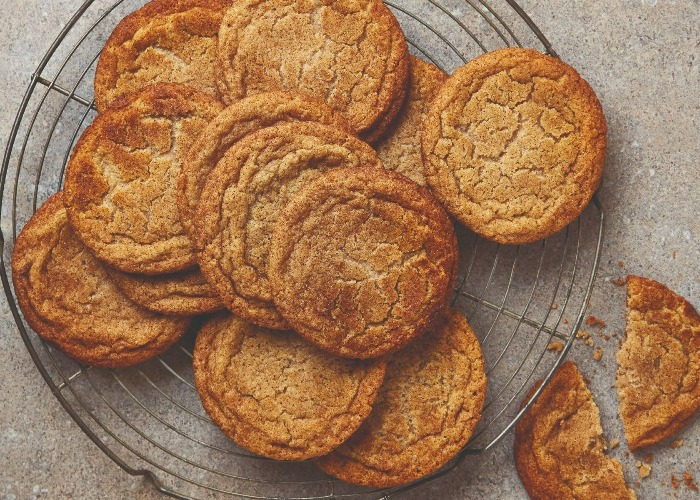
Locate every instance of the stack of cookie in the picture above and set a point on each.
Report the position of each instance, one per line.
(289, 162)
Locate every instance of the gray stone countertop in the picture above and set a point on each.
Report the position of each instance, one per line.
(642, 57)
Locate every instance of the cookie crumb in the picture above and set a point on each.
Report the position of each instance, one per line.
(619, 281)
(614, 443)
(675, 482)
(606, 337)
(589, 342)
(649, 458)
(673, 255)
(597, 354)
(555, 346)
(555, 306)
(677, 443)
(620, 263)
(688, 478)
(637, 485)
(644, 470)
(582, 334)
(593, 321)
(565, 321)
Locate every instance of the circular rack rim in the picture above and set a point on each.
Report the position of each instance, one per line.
(56, 389)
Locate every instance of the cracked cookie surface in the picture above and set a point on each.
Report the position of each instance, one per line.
(559, 444)
(121, 181)
(361, 261)
(183, 293)
(164, 41)
(277, 395)
(426, 411)
(237, 121)
(68, 299)
(514, 145)
(658, 375)
(400, 148)
(350, 53)
(240, 203)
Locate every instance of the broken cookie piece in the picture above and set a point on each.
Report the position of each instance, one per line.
(559, 444)
(658, 376)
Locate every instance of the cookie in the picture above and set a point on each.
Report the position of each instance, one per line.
(658, 374)
(400, 148)
(68, 299)
(120, 188)
(235, 122)
(514, 145)
(425, 413)
(185, 293)
(559, 444)
(279, 396)
(361, 261)
(163, 41)
(350, 53)
(243, 196)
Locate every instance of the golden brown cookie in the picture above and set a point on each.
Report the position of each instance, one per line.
(184, 293)
(68, 299)
(277, 395)
(514, 145)
(361, 261)
(243, 196)
(350, 53)
(400, 148)
(163, 41)
(120, 188)
(425, 413)
(658, 374)
(235, 122)
(559, 444)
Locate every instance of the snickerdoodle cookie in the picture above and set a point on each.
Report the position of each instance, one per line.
(238, 120)
(361, 261)
(658, 375)
(350, 53)
(120, 189)
(68, 299)
(559, 444)
(400, 148)
(163, 41)
(425, 413)
(514, 145)
(183, 293)
(277, 395)
(243, 196)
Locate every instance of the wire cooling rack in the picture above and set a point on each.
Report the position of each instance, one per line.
(149, 420)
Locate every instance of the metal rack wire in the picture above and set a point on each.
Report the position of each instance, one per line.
(148, 418)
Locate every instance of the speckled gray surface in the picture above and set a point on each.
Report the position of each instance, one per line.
(643, 60)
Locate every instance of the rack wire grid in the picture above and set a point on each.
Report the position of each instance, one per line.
(149, 419)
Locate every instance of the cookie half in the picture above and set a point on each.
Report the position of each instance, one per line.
(361, 261)
(559, 444)
(243, 196)
(425, 413)
(68, 299)
(120, 188)
(514, 145)
(238, 120)
(277, 395)
(658, 374)
(400, 147)
(163, 41)
(185, 293)
(350, 53)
